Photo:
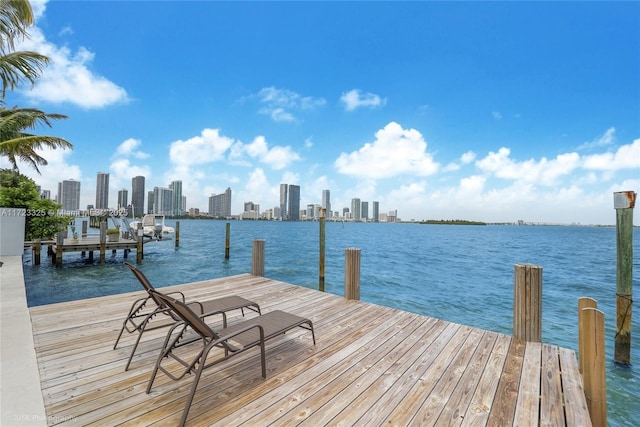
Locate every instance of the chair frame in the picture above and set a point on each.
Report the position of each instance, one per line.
(138, 318)
(211, 339)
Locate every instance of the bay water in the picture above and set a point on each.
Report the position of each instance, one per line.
(458, 273)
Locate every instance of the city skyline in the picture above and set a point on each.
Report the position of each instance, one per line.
(441, 110)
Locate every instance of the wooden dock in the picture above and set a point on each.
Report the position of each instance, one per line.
(372, 365)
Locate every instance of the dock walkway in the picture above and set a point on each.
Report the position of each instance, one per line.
(372, 365)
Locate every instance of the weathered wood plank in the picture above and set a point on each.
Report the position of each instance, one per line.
(551, 407)
(503, 408)
(528, 402)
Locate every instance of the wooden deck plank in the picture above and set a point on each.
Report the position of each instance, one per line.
(503, 408)
(371, 365)
(551, 407)
(528, 401)
(573, 390)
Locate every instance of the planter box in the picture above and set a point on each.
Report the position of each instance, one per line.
(113, 237)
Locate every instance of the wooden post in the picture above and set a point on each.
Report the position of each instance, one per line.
(103, 241)
(594, 375)
(84, 228)
(35, 252)
(59, 244)
(527, 302)
(257, 259)
(177, 233)
(227, 241)
(624, 203)
(322, 250)
(352, 273)
(139, 243)
(583, 303)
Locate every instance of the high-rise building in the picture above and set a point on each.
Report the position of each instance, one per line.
(150, 202)
(102, 190)
(69, 195)
(284, 198)
(355, 209)
(376, 211)
(137, 195)
(220, 204)
(162, 201)
(294, 202)
(176, 206)
(123, 198)
(45, 194)
(326, 202)
(364, 211)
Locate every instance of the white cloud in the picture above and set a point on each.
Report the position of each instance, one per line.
(544, 172)
(626, 157)
(605, 139)
(67, 78)
(355, 98)
(395, 151)
(496, 115)
(279, 104)
(277, 157)
(208, 147)
(129, 148)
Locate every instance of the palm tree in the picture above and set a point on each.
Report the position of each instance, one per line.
(17, 66)
(15, 144)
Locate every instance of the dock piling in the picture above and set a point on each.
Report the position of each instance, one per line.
(624, 203)
(352, 273)
(103, 241)
(177, 234)
(227, 241)
(527, 302)
(583, 303)
(322, 250)
(257, 258)
(59, 243)
(35, 252)
(594, 374)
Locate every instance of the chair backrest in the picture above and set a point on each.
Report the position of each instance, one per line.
(146, 284)
(187, 315)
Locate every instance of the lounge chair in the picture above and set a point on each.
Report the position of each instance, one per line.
(140, 316)
(233, 339)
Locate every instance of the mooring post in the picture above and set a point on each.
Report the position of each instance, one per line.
(139, 243)
(227, 241)
(35, 252)
(103, 241)
(527, 302)
(257, 258)
(84, 229)
(624, 202)
(322, 250)
(177, 233)
(352, 273)
(583, 302)
(594, 375)
(59, 244)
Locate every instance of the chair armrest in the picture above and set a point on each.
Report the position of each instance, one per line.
(178, 293)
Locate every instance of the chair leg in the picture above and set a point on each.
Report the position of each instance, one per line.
(194, 384)
(120, 334)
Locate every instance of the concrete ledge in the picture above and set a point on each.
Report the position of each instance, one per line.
(21, 399)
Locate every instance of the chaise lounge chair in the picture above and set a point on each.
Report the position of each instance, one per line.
(139, 316)
(234, 340)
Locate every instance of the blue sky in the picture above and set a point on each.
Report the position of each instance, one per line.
(491, 111)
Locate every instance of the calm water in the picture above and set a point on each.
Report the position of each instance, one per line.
(462, 274)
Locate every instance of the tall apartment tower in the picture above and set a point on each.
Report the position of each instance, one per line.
(355, 209)
(176, 206)
(137, 196)
(294, 202)
(284, 197)
(326, 202)
(376, 211)
(102, 190)
(364, 211)
(69, 195)
(220, 204)
(162, 201)
(150, 201)
(123, 198)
